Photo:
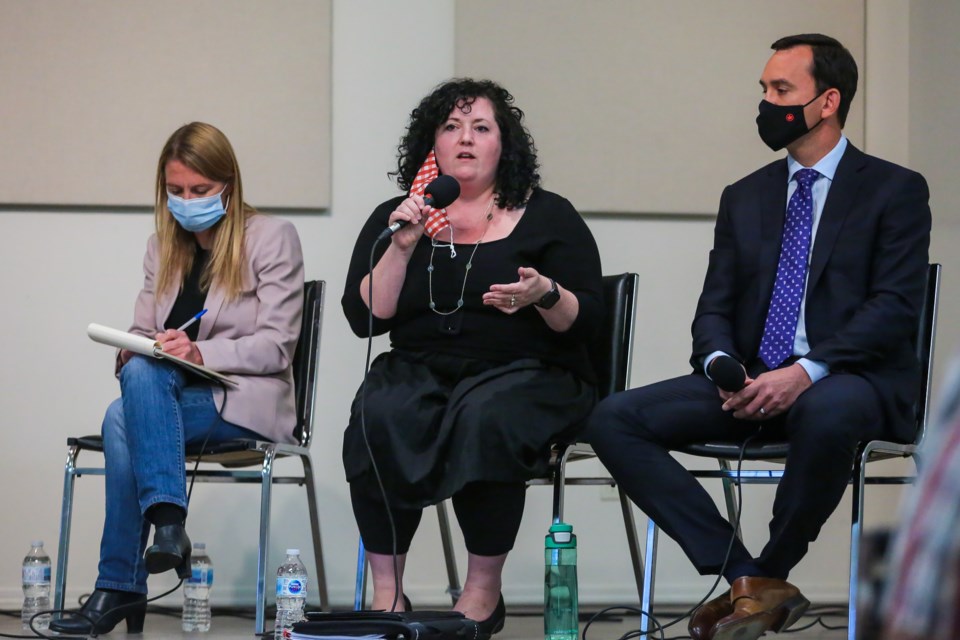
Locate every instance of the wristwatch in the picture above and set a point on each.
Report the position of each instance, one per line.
(551, 297)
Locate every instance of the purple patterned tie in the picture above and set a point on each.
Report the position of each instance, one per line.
(780, 328)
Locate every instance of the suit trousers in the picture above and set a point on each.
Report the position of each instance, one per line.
(634, 431)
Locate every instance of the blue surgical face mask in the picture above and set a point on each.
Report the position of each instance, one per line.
(196, 214)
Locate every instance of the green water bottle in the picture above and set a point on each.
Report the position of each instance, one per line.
(560, 611)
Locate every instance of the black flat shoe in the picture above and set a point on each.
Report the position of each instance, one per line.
(102, 608)
(170, 550)
(494, 623)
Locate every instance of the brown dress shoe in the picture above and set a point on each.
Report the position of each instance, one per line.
(707, 615)
(760, 605)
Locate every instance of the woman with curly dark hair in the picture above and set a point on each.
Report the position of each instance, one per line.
(490, 303)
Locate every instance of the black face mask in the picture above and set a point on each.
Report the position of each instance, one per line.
(779, 125)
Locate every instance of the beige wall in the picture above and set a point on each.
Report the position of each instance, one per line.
(934, 105)
(92, 88)
(65, 269)
(627, 96)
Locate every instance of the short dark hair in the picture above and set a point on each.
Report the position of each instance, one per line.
(833, 66)
(517, 172)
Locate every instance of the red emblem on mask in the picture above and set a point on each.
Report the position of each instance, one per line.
(790, 117)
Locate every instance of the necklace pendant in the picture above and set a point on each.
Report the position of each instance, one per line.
(450, 324)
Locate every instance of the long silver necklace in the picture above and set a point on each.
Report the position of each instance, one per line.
(466, 273)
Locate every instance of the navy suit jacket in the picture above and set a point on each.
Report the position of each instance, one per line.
(866, 280)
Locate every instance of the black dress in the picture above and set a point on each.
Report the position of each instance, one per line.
(477, 394)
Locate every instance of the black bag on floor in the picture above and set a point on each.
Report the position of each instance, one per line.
(411, 625)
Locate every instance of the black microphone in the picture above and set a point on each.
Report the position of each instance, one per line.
(440, 193)
(727, 373)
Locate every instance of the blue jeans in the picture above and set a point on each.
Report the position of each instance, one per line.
(160, 410)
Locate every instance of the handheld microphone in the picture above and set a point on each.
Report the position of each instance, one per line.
(441, 192)
(727, 373)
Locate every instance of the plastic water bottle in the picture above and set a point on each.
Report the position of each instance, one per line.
(291, 594)
(196, 591)
(560, 610)
(36, 586)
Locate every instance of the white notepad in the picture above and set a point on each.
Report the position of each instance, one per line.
(147, 347)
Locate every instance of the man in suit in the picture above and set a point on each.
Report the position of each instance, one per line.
(814, 287)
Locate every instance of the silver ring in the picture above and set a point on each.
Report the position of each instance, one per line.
(513, 300)
(762, 412)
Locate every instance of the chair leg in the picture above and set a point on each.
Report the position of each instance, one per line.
(315, 529)
(449, 556)
(730, 496)
(66, 519)
(266, 487)
(360, 590)
(856, 536)
(633, 543)
(649, 574)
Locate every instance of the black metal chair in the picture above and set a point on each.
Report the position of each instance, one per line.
(611, 355)
(727, 453)
(233, 456)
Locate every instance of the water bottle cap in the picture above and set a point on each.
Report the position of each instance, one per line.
(36, 543)
(293, 552)
(561, 536)
(200, 545)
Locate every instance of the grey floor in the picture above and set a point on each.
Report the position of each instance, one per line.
(522, 624)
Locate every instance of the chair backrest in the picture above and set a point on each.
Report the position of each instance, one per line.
(926, 340)
(305, 359)
(611, 353)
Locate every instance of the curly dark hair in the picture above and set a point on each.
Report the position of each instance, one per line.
(517, 173)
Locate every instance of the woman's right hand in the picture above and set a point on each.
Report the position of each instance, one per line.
(413, 212)
(391, 270)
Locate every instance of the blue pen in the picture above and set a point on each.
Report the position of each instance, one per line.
(189, 322)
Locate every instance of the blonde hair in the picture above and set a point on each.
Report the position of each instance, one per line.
(204, 149)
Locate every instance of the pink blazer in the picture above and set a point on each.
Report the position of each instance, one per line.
(253, 337)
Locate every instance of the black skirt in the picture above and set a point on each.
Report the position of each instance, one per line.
(436, 422)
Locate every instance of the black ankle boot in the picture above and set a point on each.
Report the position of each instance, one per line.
(170, 549)
(101, 608)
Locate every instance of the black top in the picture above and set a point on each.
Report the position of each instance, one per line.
(551, 237)
(191, 299)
